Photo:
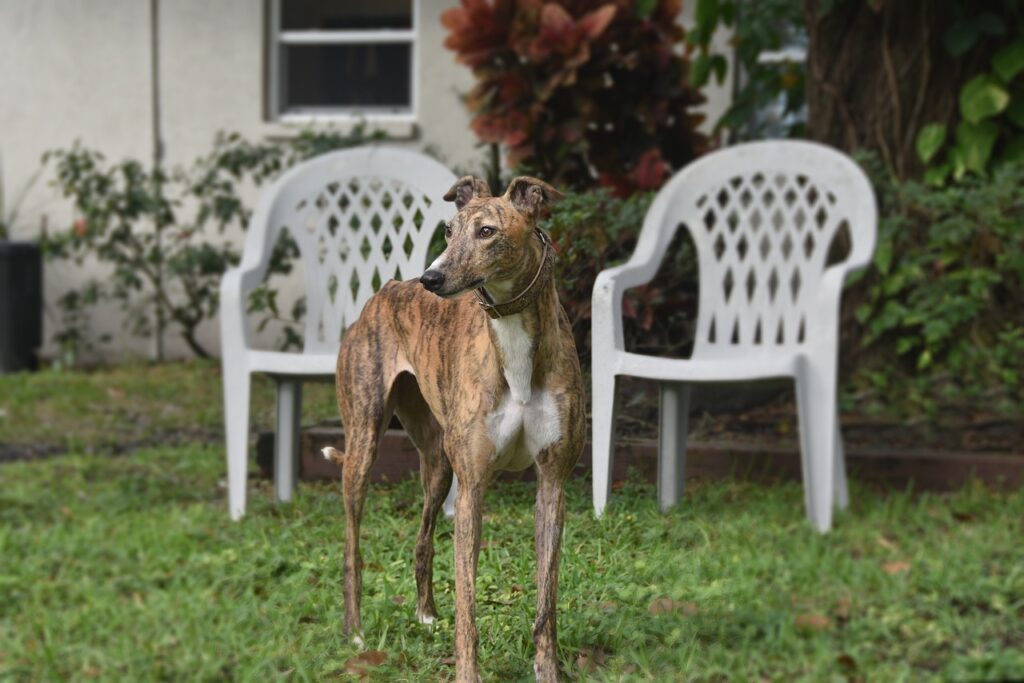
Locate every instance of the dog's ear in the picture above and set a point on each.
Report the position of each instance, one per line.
(465, 188)
(530, 195)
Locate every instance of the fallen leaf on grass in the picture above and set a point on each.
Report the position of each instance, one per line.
(609, 606)
(847, 662)
(398, 599)
(842, 608)
(668, 606)
(896, 567)
(886, 543)
(361, 664)
(812, 622)
(115, 394)
(590, 658)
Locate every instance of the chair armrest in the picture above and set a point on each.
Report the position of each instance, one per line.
(606, 304)
(235, 286)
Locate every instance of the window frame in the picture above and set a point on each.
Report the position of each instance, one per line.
(275, 38)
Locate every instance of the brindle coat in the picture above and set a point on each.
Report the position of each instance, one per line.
(475, 395)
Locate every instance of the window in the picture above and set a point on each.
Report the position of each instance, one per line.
(336, 58)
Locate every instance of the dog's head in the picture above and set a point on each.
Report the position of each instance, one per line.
(491, 240)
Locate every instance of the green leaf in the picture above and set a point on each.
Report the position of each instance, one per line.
(963, 35)
(936, 175)
(974, 142)
(706, 20)
(1015, 111)
(1008, 62)
(957, 164)
(699, 71)
(982, 97)
(929, 140)
(883, 257)
(719, 66)
(727, 12)
(645, 7)
(960, 38)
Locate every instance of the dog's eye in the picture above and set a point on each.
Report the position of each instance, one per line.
(485, 232)
(447, 232)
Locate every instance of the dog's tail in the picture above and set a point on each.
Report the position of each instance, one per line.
(333, 454)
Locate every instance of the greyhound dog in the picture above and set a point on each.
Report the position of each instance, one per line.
(485, 382)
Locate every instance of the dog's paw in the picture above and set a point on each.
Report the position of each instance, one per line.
(426, 619)
(357, 639)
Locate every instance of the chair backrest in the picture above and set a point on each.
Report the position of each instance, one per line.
(763, 217)
(360, 217)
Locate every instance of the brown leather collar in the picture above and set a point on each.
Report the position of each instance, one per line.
(526, 297)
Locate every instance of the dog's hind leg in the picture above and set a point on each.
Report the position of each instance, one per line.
(364, 420)
(436, 478)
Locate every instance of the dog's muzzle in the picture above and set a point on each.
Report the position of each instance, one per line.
(432, 280)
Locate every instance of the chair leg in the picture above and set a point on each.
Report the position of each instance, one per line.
(237, 381)
(603, 436)
(449, 502)
(286, 441)
(842, 491)
(673, 426)
(816, 403)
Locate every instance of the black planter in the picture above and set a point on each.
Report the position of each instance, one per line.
(21, 305)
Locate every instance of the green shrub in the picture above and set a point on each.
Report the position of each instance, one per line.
(162, 234)
(941, 320)
(596, 230)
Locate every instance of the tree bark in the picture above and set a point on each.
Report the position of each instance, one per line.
(878, 71)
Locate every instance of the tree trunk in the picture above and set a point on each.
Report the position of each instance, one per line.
(878, 71)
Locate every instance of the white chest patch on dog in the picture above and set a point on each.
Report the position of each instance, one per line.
(523, 423)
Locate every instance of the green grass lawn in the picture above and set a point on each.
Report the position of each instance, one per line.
(118, 562)
(133, 404)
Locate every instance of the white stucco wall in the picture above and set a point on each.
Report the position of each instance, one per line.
(80, 69)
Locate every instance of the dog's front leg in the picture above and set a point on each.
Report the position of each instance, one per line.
(437, 479)
(549, 520)
(468, 520)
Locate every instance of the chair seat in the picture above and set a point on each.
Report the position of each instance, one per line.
(297, 364)
(705, 370)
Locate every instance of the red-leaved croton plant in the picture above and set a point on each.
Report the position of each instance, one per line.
(580, 91)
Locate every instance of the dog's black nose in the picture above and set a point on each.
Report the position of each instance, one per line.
(432, 280)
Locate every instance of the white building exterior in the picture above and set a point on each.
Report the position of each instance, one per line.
(81, 70)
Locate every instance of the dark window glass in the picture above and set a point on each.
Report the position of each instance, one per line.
(359, 76)
(345, 15)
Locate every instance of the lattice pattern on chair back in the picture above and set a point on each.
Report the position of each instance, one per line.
(358, 225)
(762, 236)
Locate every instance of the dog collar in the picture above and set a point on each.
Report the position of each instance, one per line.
(526, 297)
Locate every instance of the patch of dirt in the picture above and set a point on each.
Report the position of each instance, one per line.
(772, 420)
(15, 452)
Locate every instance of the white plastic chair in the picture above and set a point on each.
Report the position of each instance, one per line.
(762, 217)
(360, 217)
